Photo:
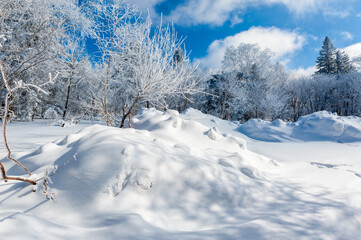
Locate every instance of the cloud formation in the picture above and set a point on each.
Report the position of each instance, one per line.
(281, 42)
(217, 12)
(353, 50)
(347, 36)
(302, 72)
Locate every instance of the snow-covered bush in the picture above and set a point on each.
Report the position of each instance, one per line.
(51, 113)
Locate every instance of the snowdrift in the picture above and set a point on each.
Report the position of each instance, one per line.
(319, 126)
(189, 176)
(167, 176)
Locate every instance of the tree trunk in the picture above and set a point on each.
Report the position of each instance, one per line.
(185, 104)
(106, 85)
(130, 120)
(67, 98)
(128, 112)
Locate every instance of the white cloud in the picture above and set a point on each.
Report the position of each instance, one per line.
(301, 72)
(217, 12)
(347, 36)
(353, 50)
(236, 20)
(336, 13)
(213, 12)
(281, 42)
(297, 6)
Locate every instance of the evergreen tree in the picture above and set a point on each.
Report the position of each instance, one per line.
(326, 62)
(343, 64)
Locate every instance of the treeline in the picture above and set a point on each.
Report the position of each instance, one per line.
(63, 60)
(251, 85)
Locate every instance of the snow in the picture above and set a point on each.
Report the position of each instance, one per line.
(319, 126)
(187, 176)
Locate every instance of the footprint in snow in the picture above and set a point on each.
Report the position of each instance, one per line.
(227, 163)
(251, 173)
(327, 165)
(335, 166)
(248, 172)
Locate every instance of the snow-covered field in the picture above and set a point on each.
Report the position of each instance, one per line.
(187, 176)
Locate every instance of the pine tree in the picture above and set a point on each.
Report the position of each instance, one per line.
(343, 64)
(326, 62)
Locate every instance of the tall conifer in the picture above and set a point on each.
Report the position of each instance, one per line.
(343, 64)
(326, 62)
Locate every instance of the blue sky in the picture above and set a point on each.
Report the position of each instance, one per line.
(293, 29)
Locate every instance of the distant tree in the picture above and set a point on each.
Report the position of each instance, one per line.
(343, 64)
(10, 90)
(311, 94)
(224, 93)
(147, 66)
(109, 18)
(33, 33)
(326, 61)
(30, 42)
(299, 93)
(183, 101)
(256, 90)
(254, 82)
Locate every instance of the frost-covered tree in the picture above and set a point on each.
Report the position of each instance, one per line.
(147, 68)
(326, 61)
(298, 92)
(329, 89)
(347, 94)
(256, 90)
(181, 102)
(109, 18)
(10, 90)
(73, 66)
(223, 93)
(256, 85)
(343, 64)
(332, 60)
(322, 92)
(244, 57)
(31, 33)
(34, 31)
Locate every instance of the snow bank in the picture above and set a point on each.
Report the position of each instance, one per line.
(186, 176)
(319, 126)
(173, 173)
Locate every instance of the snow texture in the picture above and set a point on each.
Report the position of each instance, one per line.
(186, 176)
(319, 126)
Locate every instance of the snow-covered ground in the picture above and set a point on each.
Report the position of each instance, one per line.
(187, 176)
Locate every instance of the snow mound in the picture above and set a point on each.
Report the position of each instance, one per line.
(175, 128)
(319, 126)
(176, 174)
(186, 176)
